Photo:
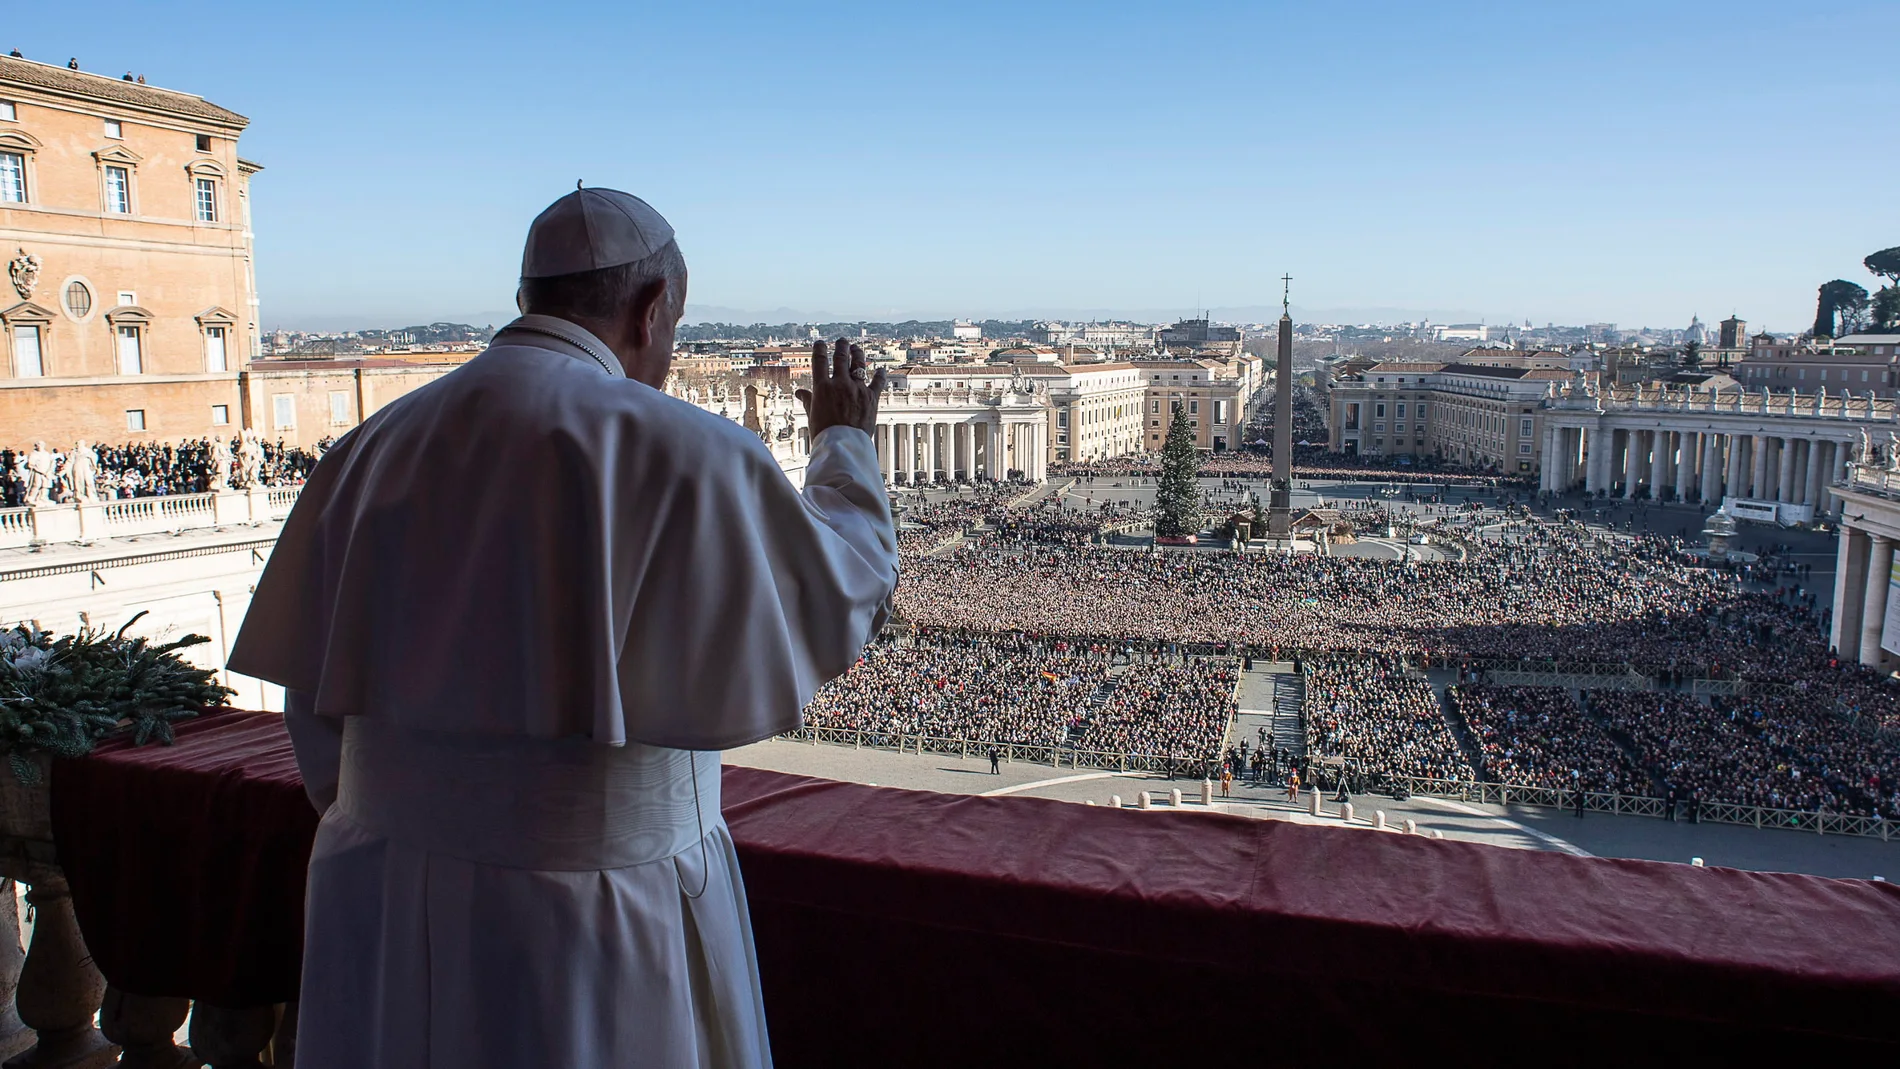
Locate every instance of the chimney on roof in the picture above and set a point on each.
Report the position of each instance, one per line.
(73, 63)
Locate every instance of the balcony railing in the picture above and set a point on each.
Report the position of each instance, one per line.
(889, 922)
(129, 517)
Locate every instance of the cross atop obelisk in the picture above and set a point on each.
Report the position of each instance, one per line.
(1286, 295)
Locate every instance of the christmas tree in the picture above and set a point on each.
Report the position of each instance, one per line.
(1177, 496)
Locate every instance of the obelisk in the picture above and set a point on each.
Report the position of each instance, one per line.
(1280, 503)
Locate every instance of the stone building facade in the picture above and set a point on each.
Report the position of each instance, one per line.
(129, 311)
(1477, 415)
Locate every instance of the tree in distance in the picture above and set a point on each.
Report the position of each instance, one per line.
(1177, 496)
(1692, 355)
(1885, 308)
(1843, 301)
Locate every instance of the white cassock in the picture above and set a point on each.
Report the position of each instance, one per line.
(519, 611)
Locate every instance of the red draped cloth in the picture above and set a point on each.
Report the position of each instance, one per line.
(909, 928)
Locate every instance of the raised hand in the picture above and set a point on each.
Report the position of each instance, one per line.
(843, 393)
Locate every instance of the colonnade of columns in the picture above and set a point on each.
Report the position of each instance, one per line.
(1863, 569)
(925, 451)
(1682, 465)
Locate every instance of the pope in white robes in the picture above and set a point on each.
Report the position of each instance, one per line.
(518, 613)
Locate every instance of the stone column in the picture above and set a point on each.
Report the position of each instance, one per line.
(1874, 616)
(1850, 588)
(1685, 454)
(1784, 476)
(966, 451)
(930, 451)
(1633, 457)
(1547, 471)
(1758, 466)
(1811, 487)
(1711, 466)
(1594, 459)
(1658, 463)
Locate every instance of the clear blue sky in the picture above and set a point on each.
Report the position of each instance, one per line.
(1631, 162)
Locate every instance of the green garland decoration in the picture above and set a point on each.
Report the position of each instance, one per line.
(62, 696)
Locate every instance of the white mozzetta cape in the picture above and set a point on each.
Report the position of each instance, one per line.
(536, 545)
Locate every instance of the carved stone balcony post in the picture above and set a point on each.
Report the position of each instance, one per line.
(230, 1039)
(59, 990)
(143, 1027)
(14, 1035)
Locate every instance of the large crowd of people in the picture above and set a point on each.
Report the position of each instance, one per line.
(1537, 595)
(1538, 737)
(1381, 718)
(154, 469)
(1018, 689)
(1777, 751)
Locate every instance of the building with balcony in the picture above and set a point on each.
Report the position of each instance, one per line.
(130, 307)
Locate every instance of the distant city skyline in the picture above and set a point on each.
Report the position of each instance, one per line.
(1629, 163)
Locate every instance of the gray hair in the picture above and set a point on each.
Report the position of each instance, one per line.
(601, 294)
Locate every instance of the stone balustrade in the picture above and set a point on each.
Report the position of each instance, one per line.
(50, 991)
(1659, 400)
(92, 521)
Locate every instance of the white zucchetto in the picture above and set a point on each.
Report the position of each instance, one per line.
(590, 229)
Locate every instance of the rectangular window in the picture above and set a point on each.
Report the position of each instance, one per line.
(1154, 406)
(1378, 428)
(339, 406)
(1062, 418)
(1194, 406)
(1823, 374)
(220, 415)
(26, 353)
(1525, 430)
(8, 111)
(1378, 411)
(1524, 447)
(12, 178)
(114, 128)
(1421, 410)
(214, 349)
(1863, 376)
(1399, 427)
(207, 200)
(283, 411)
(134, 419)
(1401, 412)
(204, 143)
(1220, 413)
(131, 360)
(127, 297)
(119, 190)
